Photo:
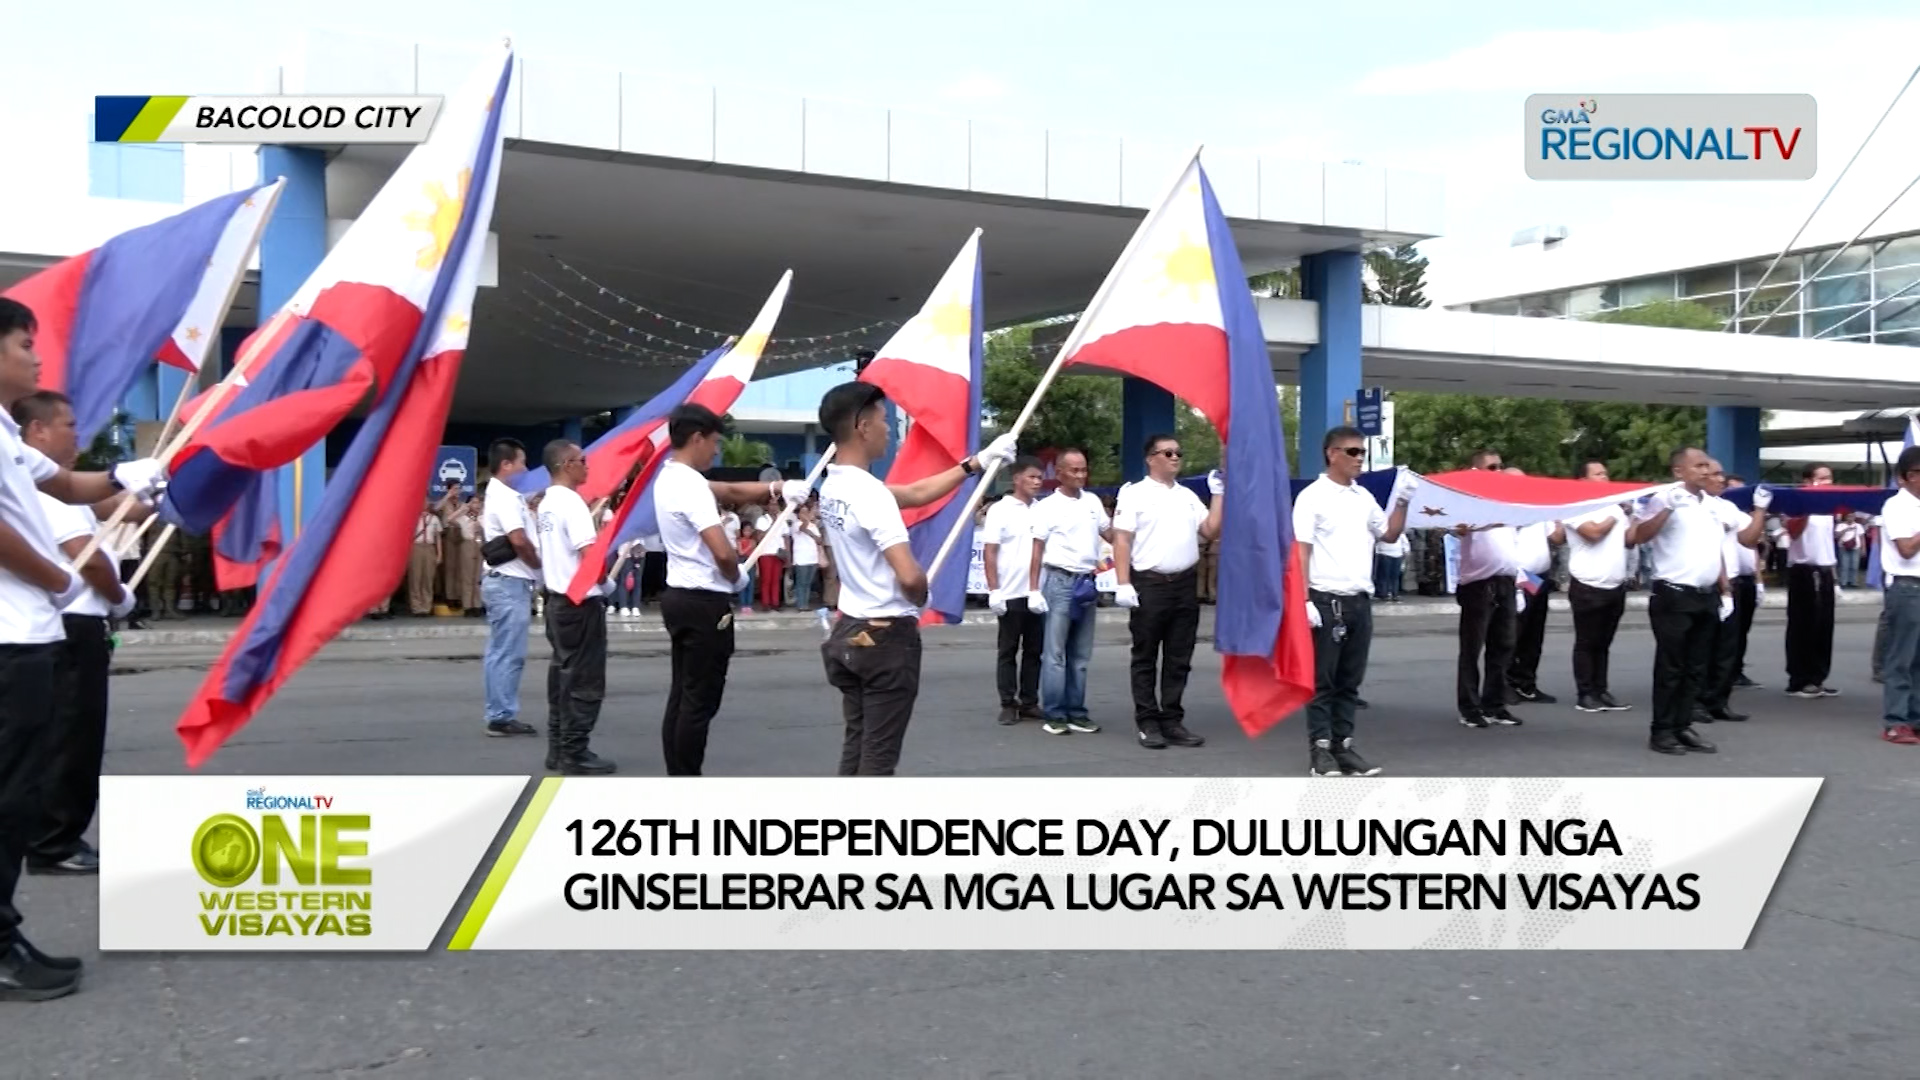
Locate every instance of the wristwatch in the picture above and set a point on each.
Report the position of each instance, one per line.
(970, 466)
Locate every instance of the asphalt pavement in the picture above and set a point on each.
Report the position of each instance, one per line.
(1828, 987)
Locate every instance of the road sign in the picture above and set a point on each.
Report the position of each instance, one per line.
(1367, 415)
(453, 465)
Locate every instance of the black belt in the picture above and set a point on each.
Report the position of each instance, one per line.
(1157, 575)
(1892, 578)
(1063, 570)
(1696, 590)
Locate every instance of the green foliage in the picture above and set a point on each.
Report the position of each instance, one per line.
(740, 452)
(1671, 314)
(103, 454)
(1079, 410)
(1198, 441)
(1278, 285)
(1399, 277)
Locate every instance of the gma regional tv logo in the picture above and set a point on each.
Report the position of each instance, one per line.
(296, 870)
(1671, 137)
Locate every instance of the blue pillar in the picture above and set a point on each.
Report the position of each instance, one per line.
(1330, 371)
(1145, 410)
(291, 249)
(1733, 439)
(570, 430)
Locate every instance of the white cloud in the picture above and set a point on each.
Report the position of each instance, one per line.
(977, 86)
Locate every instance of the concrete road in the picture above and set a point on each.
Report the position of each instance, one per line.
(1829, 987)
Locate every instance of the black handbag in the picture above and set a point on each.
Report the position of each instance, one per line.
(498, 551)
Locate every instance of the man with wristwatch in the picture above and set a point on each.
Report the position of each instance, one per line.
(1685, 538)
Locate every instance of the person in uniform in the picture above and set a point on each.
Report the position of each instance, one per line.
(1899, 538)
(1489, 567)
(1729, 640)
(513, 567)
(1810, 585)
(1533, 550)
(1685, 539)
(1598, 546)
(1068, 528)
(576, 632)
(1006, 557)
(423, 561)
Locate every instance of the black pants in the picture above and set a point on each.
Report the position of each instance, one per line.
(26, 728)
(1022, 633)
(1809, 626)
(1340, 646)
(1729, 646)
(875, 664)
(1746, 601)
(1530, 634)
(1486, 623)
(70, 787)
(700, 627)
(576, 672)
(1164, 627)
(1683, 637)
(1596, 616)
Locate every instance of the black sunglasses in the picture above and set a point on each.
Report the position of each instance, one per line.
(1165, 453)
(1352, 451)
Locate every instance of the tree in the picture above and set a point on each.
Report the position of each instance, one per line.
(1399, 277)
(1198, 441)
(1670, 314)
(1440, 432)
(1278, 285)
(105, 452)
(1079, 410)
(740, 452)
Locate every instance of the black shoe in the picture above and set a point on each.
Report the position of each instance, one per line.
(1472, 720)
(1032, 712)
(1009, 716)
(79, 863)
(1827, 691)
(1686, 737)
(57, 963)
(586, 763)
(1361, 703)
(1663, 742)
(1728, 716)
(1350, 761)
(1320, 761)
(1530, 695)
(553, 759)
(1607, 703)
(24, 978)
(1503, 718)
(1701, 716)
(1176, 733)
(1588, 703)
(1150, 737)
(1744, 683)
(1541, 697)
(508, 727)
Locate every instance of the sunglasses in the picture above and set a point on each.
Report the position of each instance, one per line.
(1166, 453)
(1353, 451)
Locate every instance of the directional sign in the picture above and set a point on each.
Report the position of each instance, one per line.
(1367, 415)
(453, 465)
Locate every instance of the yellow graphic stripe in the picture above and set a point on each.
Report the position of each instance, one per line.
(503, 866)
(153, 119)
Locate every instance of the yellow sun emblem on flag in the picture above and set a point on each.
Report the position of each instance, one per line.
(1188, 267)
(752, 343)
(952, 319)
(441, 222)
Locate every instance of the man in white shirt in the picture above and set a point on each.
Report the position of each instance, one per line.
(1006, 557)
(1489, 566)
(1157, 528)
(1810, 585)
(1900, 564)
(1736, 552)
(506, 587)
(1336, 524)
(1747, 588)
(71, 784)
(1068, 527)
(873, 655)
(576, 633)
(1685, 538)
(1597, 568)
(36, 585)
(1533, 550)
(703, 574)
(803, 552)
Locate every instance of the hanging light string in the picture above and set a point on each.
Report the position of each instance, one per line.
(582, 310)
(680, 324)
(588, 335)
(592, 336)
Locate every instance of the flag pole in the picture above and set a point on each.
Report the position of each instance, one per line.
(140, 573)
(965, 521)
(786, 508)
(219, 392)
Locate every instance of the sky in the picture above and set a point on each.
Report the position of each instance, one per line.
(1428, 87)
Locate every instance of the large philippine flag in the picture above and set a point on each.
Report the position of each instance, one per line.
(158, 292)
(718, 389)
(397, 294)
(1477, 497)
(931, 370)
(1176, 311)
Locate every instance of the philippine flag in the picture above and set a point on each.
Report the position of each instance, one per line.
(1478, 497)
(931, 370)
(718, 389)
(159, 292)
(1176, 311)
(397, 296)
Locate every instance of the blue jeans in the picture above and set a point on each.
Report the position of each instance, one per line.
(1848, 569)
(1069, 648)
(803, 585)
(1900, 666)
(1386, 576)
(749, 580)
(509, 603)
(625, 596)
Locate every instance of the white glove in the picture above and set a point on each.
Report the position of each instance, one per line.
(1001, 450)
(1313, 615)
(1726, 608)
(1126, 596)
(998, 605)
(125, 605)
(1404, 485)
(1037, 602)
(1216, 483)
(1762, 497)
(794, 492)
(76, 587)
(142, 479)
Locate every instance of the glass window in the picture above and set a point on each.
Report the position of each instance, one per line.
(1819, 323)
(1901, 314)
(1778, 326)
(1588, 301)
(1899, 251)
(1752, 273)
(1646, 290)
(1774, 298)
(1854, 289)
(1544, 306)
(1851, 261)
(1715, 279)
(1498, 307)
(1891, 283)
(1721, 305)
(1910, 337)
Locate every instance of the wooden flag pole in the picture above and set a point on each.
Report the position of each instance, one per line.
(766, 543)
(219, 393)
(140, 573)
(965, 521)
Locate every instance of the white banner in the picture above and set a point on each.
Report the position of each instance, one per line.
(291, 863)
(1130, 863)
(1105, 581)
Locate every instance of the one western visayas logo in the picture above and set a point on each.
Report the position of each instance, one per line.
(298, 873)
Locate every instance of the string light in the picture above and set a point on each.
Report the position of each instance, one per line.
(680, 324)
(562, 296)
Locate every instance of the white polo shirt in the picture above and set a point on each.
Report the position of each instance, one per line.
(27, 614)
(1688, 548)
(1602, 563)
(1070, 528)
(1739, 558)
(1342, 522)
(684, 504)
(1814, 545)
(1533, 554)
(863, 521)
(1165, 522)
(1900, 519)
(68, 522)
(565, 528)
(501, 512)
(1488, 554)
(806, 542)
(1009, 528)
